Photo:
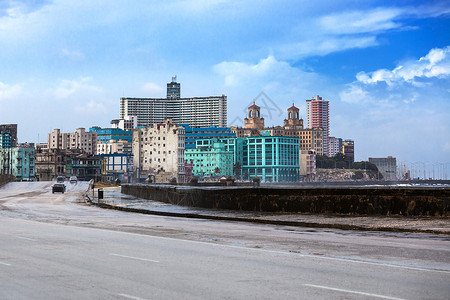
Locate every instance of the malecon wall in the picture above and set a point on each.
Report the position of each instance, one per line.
(408, 201)
(6, 178)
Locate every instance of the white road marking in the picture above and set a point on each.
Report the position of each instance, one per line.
(287, 253)
(5, 264)
(132, 257)
(352, 292)
(131, 297)
(375, 263)
(25, 238)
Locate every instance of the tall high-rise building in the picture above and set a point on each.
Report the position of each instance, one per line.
(317, 116)
(196, 111)
(173, 89)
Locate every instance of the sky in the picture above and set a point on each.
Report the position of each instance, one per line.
(384, 66)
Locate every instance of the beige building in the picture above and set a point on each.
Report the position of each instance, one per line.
(312, 139)
(80, 139)
(254, 119)
(160, 148)
(293, 123)
(254, 124)
(308, 164)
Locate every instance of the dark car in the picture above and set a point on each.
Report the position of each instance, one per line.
(59, 187)
(60, 179)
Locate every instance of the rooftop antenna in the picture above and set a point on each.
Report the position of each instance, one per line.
(174, 78)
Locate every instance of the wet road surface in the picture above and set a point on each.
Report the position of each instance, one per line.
(55, 246)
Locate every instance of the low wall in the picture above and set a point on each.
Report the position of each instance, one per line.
(408, 201)
(4, 179)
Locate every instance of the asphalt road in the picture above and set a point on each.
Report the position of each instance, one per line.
(54, 247)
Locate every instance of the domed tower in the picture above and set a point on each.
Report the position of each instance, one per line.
(293, 122)
(254, 120)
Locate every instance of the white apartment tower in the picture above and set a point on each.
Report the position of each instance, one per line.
(160, 147)
(317, 116)
(334, 145)
(196, 111)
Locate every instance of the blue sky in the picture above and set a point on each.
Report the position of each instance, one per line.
(384, 66)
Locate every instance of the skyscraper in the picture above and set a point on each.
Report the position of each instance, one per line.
(197, 111)
(173, 89)
(317, 116)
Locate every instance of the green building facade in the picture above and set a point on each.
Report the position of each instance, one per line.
(210, 158)
(19, 162)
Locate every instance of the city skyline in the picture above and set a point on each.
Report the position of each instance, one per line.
(384, 69)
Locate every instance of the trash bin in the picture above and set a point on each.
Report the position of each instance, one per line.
(100, 193)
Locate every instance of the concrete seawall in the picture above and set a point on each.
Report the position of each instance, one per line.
(4, 179)
(407, 201)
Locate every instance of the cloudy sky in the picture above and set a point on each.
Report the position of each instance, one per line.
(383, 65)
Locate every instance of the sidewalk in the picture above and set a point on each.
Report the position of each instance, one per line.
(113, 199)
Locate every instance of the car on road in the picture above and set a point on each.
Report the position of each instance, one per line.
(60, 179)
(58, 187)
(73, 179)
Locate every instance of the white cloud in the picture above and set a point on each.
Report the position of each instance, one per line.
(152, 89)
(435, 64)
(236, 72)
(354, 94)
(273, 83)
(196, 6)
(446, 147)
(17, 8)
(404, 111)
(75, 55)
(323, 45)
(350, 29)
(9, 92)
(91, 108)
(351, 22)
(269, 70)
(68, 88)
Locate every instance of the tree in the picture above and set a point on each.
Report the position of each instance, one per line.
(217, 170)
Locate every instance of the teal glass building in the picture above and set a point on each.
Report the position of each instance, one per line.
(271, 158)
